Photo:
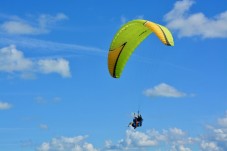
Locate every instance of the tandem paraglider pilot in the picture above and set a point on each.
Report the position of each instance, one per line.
(137, 121)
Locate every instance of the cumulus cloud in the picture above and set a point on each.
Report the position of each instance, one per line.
(133, 140)
(197, 24)
(209, 146)
(216, 139)
(172, 139)
(164, 90)
(17, 26)
(60, 66)
(67, 144)
(176, 139)
(5, 105)
(13, 60)
(223, 121)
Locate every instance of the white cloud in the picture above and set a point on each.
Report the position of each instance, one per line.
(133, 140)
(18, 26)
(223, 121)
(46, 19)
(172, 139)
(175, 139)
(138, 139)
(67, 144)
(164, 90)
(216, 137)
(5, 106)
(49, 45)
(180, 148)
(60, 66)
(197, 24)
(209, 146)
(176, 131)
(13, 60)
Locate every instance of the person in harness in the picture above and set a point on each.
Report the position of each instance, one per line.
(137, 121)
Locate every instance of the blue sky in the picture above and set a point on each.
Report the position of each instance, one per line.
(56, 93)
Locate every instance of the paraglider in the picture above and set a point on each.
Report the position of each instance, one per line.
(128, 37)
(137, 121)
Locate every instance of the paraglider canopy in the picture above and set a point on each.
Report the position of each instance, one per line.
(128, 37)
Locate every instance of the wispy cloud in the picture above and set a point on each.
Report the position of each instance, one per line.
(44, 126)
(197, 24)
(48, 45)
(45, 20)
(13, 60)
(68, 144)
(5, 105)
(14, 30)
(16, 27)
(39, 25)
(42, 100)
(164, 90)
